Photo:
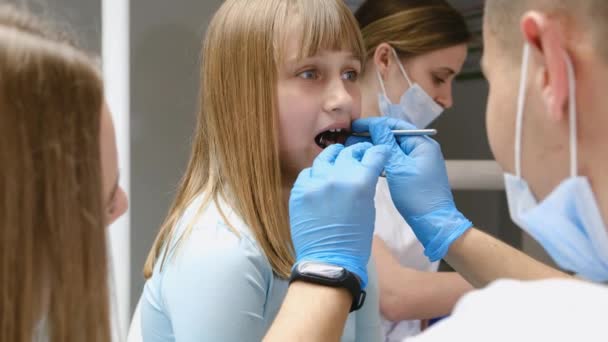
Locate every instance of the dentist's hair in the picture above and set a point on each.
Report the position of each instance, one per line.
(53, 273)
(235, 154)
(411, 27)
(503, 20)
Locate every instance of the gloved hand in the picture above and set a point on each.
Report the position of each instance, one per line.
(418, 183)
(331, 208)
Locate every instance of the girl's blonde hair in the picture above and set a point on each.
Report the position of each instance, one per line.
(235, 151)
(53, 270)
(411, 27)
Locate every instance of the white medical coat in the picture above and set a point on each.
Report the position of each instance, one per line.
(508, 310)
(403, 244)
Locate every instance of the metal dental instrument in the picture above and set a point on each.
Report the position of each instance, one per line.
(402, 132)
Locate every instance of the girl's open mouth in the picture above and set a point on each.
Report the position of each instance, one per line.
(332, 136)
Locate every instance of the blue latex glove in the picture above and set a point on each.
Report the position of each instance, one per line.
(331, 208)
(418, 183)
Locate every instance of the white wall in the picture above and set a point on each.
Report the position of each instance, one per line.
(115, 61)
(82, 18)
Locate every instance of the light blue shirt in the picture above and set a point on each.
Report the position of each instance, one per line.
(219, 286)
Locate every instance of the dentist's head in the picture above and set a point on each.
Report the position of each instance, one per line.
(547, 65)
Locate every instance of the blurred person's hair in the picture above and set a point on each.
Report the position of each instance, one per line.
(53, 262)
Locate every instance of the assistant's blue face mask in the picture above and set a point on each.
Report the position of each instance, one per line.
(416, 106)
(568, 223)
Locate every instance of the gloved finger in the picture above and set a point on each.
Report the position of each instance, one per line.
(351, 140)
(394, 123)
(409, 144)
(381, 133)
(327, 157)
(376, 158)
(362, 125)
(359, 152)
(352, 154)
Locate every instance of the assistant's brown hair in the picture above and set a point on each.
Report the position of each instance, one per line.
(411, 27)
(53, 263)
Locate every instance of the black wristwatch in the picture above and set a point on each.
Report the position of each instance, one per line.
(330, 275)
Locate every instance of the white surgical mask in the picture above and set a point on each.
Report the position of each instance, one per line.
(415, 106)
(568, 223)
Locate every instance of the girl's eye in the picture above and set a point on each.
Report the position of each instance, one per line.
(351, 75)
(309, 75)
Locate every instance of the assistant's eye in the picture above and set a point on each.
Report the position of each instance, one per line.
(438, 80)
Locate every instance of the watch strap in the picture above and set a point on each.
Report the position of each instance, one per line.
(349, 281)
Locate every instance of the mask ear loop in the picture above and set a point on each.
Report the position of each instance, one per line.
(572, 113)
(381, 83)
(521, 101)
(401, 67)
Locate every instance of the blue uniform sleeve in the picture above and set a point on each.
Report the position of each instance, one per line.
(214, 289)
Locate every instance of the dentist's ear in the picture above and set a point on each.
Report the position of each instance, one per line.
(547, 44)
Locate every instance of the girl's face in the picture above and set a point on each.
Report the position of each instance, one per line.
(318, 98)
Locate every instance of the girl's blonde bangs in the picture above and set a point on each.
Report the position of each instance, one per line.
(327, 25)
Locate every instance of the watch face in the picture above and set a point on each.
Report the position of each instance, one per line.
(325, 270)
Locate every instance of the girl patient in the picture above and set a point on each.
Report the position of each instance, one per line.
(279, 84)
